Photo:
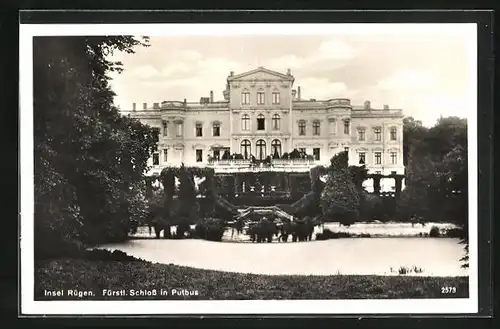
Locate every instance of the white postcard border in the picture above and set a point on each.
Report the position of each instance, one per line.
(416, 306)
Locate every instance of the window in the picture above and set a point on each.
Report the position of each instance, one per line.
(276, 147)
(156, 159)
(245, 148)
(216, 129)
(346, 127)
(378, 172)
(302, 127)
(260, 98)
(261, 149)
(245, 98)
(261, 122)
(156, 131)
(394, 172)
(393, 133)
(179, 129)
(276, 122)
(362, 159)
(245, 122)
(361, 134)
(377, 132)
(217, 154)
(302, 150)
(276, 97)
(316, 126)
(165, 155)
(378, 158)
(394, 158)
(199, 130)
(165, 126)
(316, 153)
(199, 155)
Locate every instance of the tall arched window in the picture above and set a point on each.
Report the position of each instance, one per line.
(276, 147)
(261, 122)
(260, 148)
(276, 122)
(245, 148)
(245, 122)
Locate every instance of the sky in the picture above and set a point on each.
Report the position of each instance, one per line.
(426, 75)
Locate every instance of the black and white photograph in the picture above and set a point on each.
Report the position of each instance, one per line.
(248, 168)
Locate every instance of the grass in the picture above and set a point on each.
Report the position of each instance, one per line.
(96, 275)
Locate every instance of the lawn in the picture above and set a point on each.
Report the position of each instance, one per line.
(119, 277)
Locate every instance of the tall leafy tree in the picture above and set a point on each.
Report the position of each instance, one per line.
(89, 159)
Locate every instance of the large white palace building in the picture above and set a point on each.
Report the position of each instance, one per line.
(262, 114)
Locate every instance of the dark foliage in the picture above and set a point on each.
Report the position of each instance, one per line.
(89, 159)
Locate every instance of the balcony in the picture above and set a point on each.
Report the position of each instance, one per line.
(249, 165)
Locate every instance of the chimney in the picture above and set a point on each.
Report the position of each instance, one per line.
(294, 93)
(134, 107)
(185, 101)
(231, 74)
(367, 105)
(156, 106)
(298, 93)
(386, 107)
(289, 72)
(211, 96)
(144, 106)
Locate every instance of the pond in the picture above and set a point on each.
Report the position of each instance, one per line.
(362, 256)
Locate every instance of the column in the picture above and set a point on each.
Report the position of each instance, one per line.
(376, 184)
(399, 182)
(236, 184)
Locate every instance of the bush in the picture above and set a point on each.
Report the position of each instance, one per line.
(455, 233)
(434, 232)
(106, 255)
(328, 234)
(209, 229)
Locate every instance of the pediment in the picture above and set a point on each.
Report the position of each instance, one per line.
(261, 74)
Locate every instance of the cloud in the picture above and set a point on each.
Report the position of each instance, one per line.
(330, 53)
(408, 79)
(145, 72)
(323, 89)
(336, 49)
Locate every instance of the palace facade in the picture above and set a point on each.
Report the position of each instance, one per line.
(262, 115)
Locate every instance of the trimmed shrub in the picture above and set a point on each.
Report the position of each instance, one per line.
(434, 232)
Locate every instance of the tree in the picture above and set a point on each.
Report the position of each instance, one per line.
(413, 133)
(89, 159)
(340, 198)
(188, 203)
